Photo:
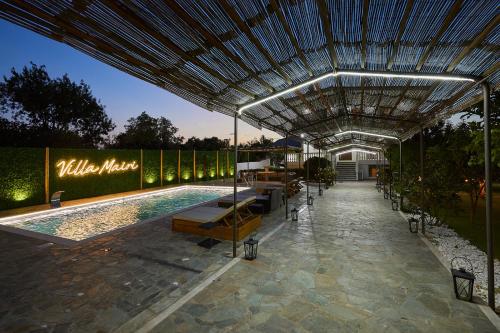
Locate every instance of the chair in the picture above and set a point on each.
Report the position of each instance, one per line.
(191, 221)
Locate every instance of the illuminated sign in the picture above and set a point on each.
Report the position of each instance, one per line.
(78, 168)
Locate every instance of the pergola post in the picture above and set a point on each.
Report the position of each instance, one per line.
(383, 172)
(422, 190)
(390, 174)
(400, 175)
(319, 167)
(307, 174)
(235, 192)
(487, 180)
(286, 176)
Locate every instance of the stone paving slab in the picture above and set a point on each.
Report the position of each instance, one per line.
(349, 265)
(100, 285)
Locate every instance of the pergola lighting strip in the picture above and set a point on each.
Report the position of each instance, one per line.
(355, 145)
(368, 134)
(356, 151)
(416, 76)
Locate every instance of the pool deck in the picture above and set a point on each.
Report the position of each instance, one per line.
(348, 265)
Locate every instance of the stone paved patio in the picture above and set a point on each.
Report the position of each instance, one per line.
(349, 265)
(100, 285)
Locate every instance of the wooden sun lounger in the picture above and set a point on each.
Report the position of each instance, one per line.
(219, 219)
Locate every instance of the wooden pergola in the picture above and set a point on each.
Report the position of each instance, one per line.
(314, 68)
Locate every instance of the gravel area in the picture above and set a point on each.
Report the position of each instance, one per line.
(452, 245)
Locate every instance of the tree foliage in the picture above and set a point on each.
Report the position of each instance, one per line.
(316, 164)
(148, 132)
(41, 111)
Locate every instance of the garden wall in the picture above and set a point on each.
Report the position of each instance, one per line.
(28, 176)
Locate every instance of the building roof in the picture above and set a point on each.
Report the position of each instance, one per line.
(224, 54)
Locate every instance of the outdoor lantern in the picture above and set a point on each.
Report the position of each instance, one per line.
(463, 279)
(310, 200)
(251, 248)
(295, 214)
(320, 192)
(413, 223)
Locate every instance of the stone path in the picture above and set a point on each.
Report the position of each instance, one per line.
(349, 265)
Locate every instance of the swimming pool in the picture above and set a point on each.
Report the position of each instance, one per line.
(81, 222)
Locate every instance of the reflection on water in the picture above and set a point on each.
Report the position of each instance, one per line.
(84, 222)
(78, 227)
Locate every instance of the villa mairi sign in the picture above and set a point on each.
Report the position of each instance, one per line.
(79, 168)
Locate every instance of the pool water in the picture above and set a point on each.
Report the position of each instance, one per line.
(81, 222)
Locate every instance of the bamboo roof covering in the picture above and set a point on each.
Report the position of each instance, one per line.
(222, 54)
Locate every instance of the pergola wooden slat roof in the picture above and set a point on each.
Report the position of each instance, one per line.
(223, 54)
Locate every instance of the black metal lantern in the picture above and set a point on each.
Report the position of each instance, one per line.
(413, 223)
(463, 279)
(295, 214)
(310, 200)
(320, 192)
(251, 246)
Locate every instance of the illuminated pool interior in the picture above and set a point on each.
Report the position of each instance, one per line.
(80, 222)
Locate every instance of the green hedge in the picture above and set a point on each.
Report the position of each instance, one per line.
(151, 168)
(22, 177)
(206, 165)
(170, 159)
(94, 185)
(186, 166)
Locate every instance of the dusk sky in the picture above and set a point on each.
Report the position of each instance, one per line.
(123, 95)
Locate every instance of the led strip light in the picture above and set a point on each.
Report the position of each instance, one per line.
(359, 74)
(354, 145)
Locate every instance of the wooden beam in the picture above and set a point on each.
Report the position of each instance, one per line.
(229, 10)
(394, 51)
(141, 24)
(476, 41)
(444, 26)
(215, 42)
(275, 5)
(327, 30)
(401, 30)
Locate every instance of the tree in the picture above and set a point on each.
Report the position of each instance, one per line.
(475, 112)
(213, 143)
(41, 111)
(148, 132)
(316, 164)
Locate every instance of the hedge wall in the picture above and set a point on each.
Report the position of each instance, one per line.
(206, 165)
(22, 177)
(22, 172)
(151, 168)
(186, 166)
(94, 185)
(170, 159)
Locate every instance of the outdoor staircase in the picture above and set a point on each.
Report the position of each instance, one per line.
(346, 171)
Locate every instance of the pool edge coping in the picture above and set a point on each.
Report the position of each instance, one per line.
(72, 243)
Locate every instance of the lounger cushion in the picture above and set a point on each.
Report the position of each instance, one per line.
(203, 214)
